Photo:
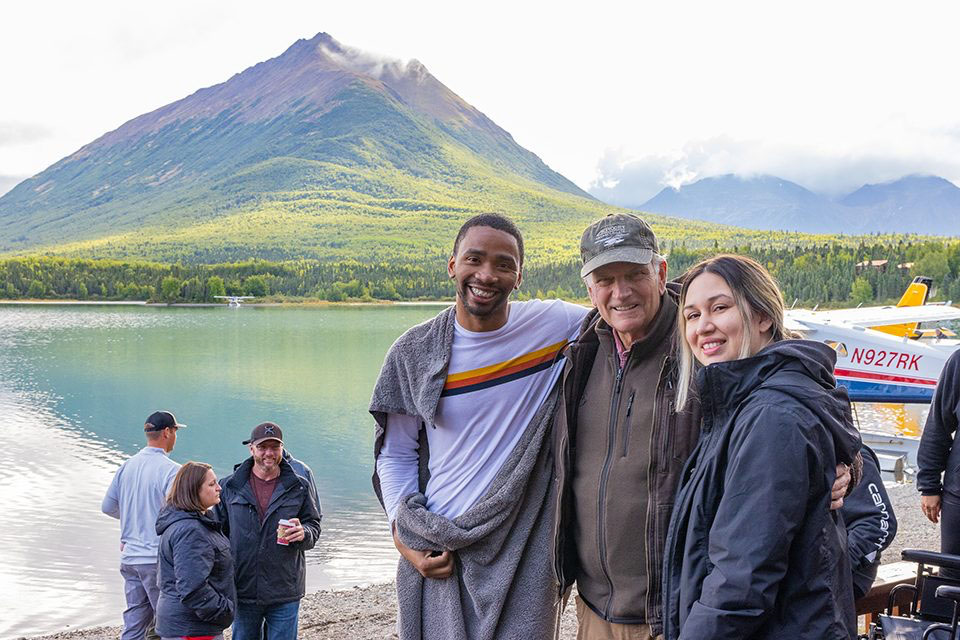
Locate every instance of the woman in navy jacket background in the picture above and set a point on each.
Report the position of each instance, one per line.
(195, 570)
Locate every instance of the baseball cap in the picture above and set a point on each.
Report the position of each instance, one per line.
(160, 420)
(619, 237)
(265, 431)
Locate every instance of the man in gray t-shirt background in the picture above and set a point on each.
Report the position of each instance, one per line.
(135, 496)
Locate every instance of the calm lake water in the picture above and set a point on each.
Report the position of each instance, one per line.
(77, 382)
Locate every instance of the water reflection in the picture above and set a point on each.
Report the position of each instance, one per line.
(77, 383)
(58, 556)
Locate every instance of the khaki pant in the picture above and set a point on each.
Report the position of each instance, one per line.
(590, 626)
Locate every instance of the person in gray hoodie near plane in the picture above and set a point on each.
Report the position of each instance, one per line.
(938, 459)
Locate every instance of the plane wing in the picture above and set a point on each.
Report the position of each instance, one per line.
(792, 324)
(880, 316)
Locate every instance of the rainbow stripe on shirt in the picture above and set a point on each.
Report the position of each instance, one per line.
(503, 372)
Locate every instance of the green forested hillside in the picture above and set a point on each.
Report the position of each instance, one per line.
(817, 274)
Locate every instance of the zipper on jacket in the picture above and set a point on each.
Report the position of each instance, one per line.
(604, 476)
(653, 586)
(558, 542)
(565, 463)
(664, 437)
(626, 425)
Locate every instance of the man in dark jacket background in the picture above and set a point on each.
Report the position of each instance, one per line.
(270, 569)
(939, 455)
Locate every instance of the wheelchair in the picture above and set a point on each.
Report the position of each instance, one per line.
(934, 605)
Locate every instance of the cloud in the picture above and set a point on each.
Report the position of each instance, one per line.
(630, 181)
(12, 133)
(371, 64)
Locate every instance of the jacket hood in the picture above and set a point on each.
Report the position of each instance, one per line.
(788, 366)
(169, 515)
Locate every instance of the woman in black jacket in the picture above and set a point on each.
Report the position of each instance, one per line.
(195, 571)
(753, 550)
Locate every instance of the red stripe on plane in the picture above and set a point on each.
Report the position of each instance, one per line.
(869, 375)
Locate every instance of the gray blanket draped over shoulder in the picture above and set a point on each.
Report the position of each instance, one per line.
(503, 586)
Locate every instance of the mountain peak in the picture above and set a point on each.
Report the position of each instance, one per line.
(321, 117)
(915, 203)
(759, 201)
(326, 52)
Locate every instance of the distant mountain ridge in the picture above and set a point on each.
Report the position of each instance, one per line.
(912, 204)
(296, 156)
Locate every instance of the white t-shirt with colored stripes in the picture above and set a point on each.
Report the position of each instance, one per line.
(495, 383)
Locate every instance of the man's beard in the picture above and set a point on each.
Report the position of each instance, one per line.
(266, 464)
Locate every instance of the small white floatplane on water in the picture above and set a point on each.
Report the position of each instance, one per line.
(885, 356)
(234, 301)
(882, 354)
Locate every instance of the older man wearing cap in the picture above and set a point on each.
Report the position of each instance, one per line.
(135, 496)
(269, 562)
(620, 445)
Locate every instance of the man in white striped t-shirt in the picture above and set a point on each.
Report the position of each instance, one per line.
(504, 361)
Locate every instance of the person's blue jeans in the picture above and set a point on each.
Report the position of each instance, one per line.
(141, 592)
(273, 622)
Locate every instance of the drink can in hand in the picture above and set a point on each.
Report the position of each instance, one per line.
(282, 527)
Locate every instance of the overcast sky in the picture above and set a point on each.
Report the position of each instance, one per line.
(622, 98)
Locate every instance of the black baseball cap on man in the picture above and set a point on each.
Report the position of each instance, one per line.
(619, 237)
(160, 420)
(265, 431)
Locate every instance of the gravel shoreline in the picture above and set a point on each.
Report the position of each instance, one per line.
(369, 613)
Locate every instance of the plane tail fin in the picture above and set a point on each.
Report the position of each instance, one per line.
(916, 293)
(915, 296)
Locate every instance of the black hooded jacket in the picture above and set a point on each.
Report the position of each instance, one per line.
(753, 550)
(195, 575)
(268, 573)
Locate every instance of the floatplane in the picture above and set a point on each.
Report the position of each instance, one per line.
(234, 301)
(885, 355)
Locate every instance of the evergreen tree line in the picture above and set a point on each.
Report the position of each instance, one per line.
(825, 275)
